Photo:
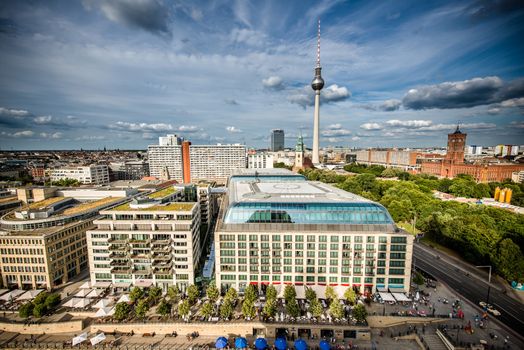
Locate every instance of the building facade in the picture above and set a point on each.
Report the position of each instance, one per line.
(279, 228)
(43, 244)
(96, 174)
(389, 158)
(277, 140)
(260, 161)
(153, 239)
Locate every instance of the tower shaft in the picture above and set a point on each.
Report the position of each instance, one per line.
(316, 125)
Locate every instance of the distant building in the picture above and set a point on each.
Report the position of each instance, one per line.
(301, 161)
(130, 170)
(260, 161)
(277, 140)
(474, 150)
(506, 150)
(43, 244)
(95, 174)
(350, 158)
(188, 163)
(453, 163)
(518, 176)
(389, 158)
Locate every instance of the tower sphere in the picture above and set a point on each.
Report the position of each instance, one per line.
(318, 83)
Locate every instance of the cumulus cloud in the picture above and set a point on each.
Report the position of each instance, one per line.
(43, 119)
(390, 105)
(273, 83)
(55, 135)
(462, 94)
(335, 130)
(355, 138)
(148, 15)
(514, 102)
(7, 112)
(306, 96)
(409, 123)
(463, 127)
(90, 138)
(25, 133)
(334, 126)
(188, 128)
(140, 127)
(233, 129)
(247, 36)
(371, 126)
(517, 124)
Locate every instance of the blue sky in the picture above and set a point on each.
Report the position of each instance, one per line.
(117, 73)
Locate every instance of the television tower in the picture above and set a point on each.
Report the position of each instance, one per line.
(317, 84)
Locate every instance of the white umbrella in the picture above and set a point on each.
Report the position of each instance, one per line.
(79, 339)
(124, 299)
(102, 303)
(12, 294)
(71, 302)
(97, 339)
(30, 294)
(105, 311)
(86, 285)
(417, 296)
(94, 293)
(83, 293)
(81, 302)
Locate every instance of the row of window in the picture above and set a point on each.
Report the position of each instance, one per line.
(312, 279)
(312, 238)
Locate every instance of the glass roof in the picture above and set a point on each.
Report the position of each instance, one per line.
(308, 213)
(266, 178)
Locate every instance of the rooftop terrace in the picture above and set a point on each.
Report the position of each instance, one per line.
(176, 206)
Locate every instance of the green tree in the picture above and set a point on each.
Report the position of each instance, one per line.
(173, 292)
(250, 293)
(509, 260)
(418, 279)
(155, 293)
(141, 308)
(40, 298)
(248, 309)
(316, 308)
(136, 293)
(289, 292)
(311, 294)
(226, 309)
(122, 311)
(335, 309)
(212, 292)
(350, 295)
(52, 300)
(184, 308)
(192, 294)
(39, 310)
(292, 307)
(330, 294)
(164, 308)
(270, 308)
(271, 292)
(26, 310)
(231, 294)
(390, 172)
(360, 313)
(207, 310)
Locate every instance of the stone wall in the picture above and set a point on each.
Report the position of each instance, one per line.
(75, 326)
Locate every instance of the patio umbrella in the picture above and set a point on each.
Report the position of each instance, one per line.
(30, 294)
(98, 338)
(102, 303)
(124, 299)
(221, 343)
(240, 343)
(86, 285)
(94, 293)
(281, 344)
(324, 345)
(82, 293)
(261, 344)
(82, 302)
(300, 344)
(79, 339)
(12, 295)
(71, 302)
(105, 311)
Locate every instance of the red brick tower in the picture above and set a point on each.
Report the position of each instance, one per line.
(456, 146)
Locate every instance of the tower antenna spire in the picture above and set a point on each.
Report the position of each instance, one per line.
(318, 45)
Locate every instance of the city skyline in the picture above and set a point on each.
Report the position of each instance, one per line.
(121, 73)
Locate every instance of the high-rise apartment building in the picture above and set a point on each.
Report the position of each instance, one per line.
(260, 161)
(153, 239)
(277, 140)
(95, 174)
(188, 163)
(278, 228)
(43, 244)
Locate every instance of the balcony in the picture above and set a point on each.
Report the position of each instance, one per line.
(141, 271)
(161, 249)
(140, 256)
(163, 271)
(161, 257)
(160, 242)
(140, 241)
(121, 270)
(163, 264)
(118, 240)
(120, 264)
(116, 255)
(118, 248)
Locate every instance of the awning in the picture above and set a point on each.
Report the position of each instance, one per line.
(79, 339)
(97, 339)
(143, 283)
(81, 302)
(386, 296)
(83, 293)
(320, 290)
(400, 297)
(3, 291)
(30, 294)
(86, 285)
(122, 285)
(105, 311)
(94, 293)
(301, 292)
(102, 303)
(124, 299)
(12, 295)
(102, 285)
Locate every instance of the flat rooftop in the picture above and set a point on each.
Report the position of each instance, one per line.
(175, 206)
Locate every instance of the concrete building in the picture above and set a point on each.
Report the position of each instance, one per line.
(389, 158)
(260, 161)
(187, 163)
(129, 170)
(95, 174)
(474, 150)
(43, 244)
(278, 142)
(152, 240)
(276, 227)
(518, 176)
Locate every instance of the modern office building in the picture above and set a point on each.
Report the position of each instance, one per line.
(276, 227)
(95, 174)
(277, 140)
(129, 170)
(188, 163)
(260, 160)
(43, 244)
(154, 239)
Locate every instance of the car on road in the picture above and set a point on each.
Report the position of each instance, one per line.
(493, 311)
(489, 308)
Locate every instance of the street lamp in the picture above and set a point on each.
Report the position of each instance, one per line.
(489, 280)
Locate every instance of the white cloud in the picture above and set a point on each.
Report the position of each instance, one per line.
(517, 124)
(306, 96)
(13, 112)
(25, 133)
(355, 138)
(335, 93)
(514, 102)
(43, 119)
(247, 36)
(55, 136)
(90, 138)
(391, 105)
(409, 123)
(371, 126)
(139, 127)
(188, 128)
(334, 126)
(233, 129)
(335, 132)
(273, 82)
